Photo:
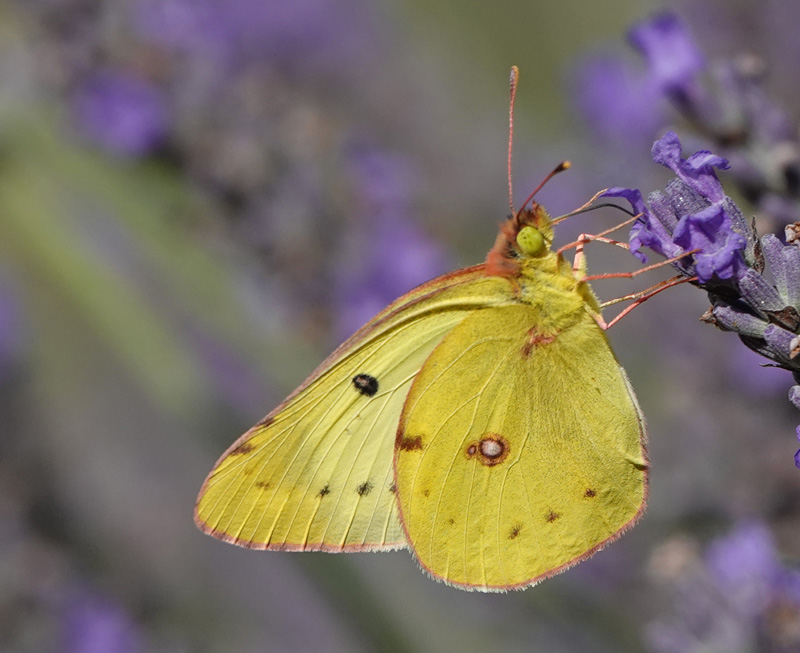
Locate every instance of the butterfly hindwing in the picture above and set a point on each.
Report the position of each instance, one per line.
(519, 453)
(316, 473)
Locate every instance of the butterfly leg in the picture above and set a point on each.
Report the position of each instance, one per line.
(579, 262)
(630, 275)
(639, 298)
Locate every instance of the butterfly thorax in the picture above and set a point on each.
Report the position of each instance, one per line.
(539, 276)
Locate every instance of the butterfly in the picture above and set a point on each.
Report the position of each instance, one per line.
(481, 420)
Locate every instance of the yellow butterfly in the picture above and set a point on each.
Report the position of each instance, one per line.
(481, 420)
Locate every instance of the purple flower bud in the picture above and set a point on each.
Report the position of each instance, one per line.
(732, 319)
(759, 293)
(791, 261)
(791, 271)
(771, 246)
(779, 341)
(784, 261)
(794, 397)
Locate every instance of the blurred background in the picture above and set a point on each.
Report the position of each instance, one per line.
(199, 199)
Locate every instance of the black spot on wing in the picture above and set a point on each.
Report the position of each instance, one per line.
(364, 489)
(324, 491)
(367, 385)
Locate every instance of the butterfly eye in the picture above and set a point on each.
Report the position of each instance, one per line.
(531, 241)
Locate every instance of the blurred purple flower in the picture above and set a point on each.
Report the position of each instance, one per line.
(194, 26)
(121, 112)
(94, 624)
(617, 101)
(735, 112)
(744, 565)
(234, 31)
(741, 596)
(672, 56)
(693, 213)
(398, 256)
(623, 103)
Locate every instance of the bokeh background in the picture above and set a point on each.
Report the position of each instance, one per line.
(199, 199)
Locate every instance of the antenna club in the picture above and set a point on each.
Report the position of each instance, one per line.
(561, 167)
(512, 88)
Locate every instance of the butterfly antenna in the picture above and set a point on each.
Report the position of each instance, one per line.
(561, 167)
(512, 88)
(588, 207)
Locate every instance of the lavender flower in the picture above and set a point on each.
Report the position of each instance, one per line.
(693, 213)
(121, 112)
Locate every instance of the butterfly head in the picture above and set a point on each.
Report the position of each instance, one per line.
(525, 236)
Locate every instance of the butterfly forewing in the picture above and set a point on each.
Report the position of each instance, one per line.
(317, 472)
(528, 451)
